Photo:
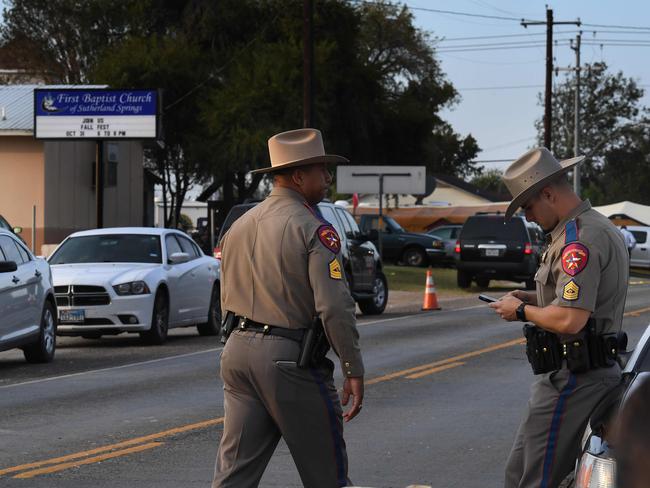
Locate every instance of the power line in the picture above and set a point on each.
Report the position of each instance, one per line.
(493, 63)
(511, 87)
(631, 27)
(506, 44)
(450, 12)
(529, 34)
(616, 44)
(493, 160)
(451, 50)
(617, 40)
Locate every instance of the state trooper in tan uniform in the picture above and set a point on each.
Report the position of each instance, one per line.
(577, 312)
(281, 269)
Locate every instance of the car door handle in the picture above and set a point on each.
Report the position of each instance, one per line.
(15, 280)
(37, 273)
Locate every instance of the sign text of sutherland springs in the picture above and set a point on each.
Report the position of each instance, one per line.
(95, 114)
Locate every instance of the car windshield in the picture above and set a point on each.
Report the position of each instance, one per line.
(494, 227)
(109, 248)
(5, 225)
(392, 224)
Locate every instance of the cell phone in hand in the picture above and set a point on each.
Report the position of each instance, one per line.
(487, 298)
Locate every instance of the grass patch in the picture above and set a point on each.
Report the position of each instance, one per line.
(406, 278)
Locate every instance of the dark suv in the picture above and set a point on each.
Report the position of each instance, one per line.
(360, 259)
(490, 248)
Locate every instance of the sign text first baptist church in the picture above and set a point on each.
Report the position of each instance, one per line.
(96, 114)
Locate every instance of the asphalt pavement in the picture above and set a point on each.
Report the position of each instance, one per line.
(445, 392)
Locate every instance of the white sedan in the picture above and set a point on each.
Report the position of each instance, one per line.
(134, 279)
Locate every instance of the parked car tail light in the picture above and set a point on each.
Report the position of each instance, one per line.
(133, 288)
(216, 252)
(596, 472)
(528, 249)
(457, 248)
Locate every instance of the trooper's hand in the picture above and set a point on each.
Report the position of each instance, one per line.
(352, 387)
(520, 294)
(506, 308)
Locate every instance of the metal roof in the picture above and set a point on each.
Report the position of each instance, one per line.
(17, 106)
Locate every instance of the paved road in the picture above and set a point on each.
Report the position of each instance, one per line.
(445, 393)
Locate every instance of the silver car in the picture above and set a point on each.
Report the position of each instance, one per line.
(449, 234)
(641, 253)
(27, 306)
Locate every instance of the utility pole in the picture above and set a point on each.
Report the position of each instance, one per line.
(548, 91)
(575, 45)
(308, 63)
(99, 184)
(576, 124)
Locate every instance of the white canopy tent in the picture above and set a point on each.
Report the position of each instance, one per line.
(626, 211)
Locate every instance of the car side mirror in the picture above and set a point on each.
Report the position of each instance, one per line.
(18, 230)
(179, 257)
(8, 266)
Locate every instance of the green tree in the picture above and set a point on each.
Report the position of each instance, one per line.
(62, 39)
(611, 114)
(231, 71)
(491, 181)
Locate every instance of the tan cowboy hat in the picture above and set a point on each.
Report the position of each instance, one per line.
(532, 172)
(298, 148)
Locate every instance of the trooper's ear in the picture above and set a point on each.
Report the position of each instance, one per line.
(548, 193)
(298, 176)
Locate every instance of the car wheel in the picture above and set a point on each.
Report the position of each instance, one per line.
(414, 256)
(43, 350)
(483, 282)
(157, 334)
(213, 325)
(376, 304)
(463, 279)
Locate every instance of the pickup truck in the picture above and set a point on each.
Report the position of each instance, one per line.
(400, 246)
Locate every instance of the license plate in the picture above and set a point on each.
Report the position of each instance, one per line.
(492, 252)
(73, 316)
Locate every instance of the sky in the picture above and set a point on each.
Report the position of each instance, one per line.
(502, 120)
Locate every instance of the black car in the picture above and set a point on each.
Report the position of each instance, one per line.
(491, 248)
(601, 446)
(400, 246)
(360, 259)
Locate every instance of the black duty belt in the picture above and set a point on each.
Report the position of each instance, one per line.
(244, 323)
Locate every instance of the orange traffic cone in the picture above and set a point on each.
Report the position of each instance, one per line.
(430, 297)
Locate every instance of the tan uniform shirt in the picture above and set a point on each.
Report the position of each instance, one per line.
(281, 267)
(586, 266)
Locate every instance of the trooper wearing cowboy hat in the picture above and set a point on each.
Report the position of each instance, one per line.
(281, 268)
(581, 288)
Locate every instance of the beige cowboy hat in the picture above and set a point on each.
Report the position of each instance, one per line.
(532, 172)
(298, 148)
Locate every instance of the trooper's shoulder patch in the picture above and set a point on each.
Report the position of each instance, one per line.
(329, 238)
(575, 257)
(571, 291)
(335, 269)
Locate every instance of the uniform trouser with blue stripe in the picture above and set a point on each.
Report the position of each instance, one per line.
(267, 397)
(548, 440)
